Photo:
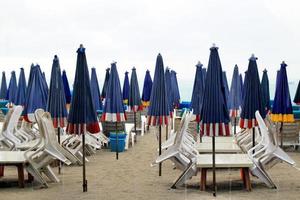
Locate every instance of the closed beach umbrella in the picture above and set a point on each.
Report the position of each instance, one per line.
(158, 112)
(96, 91)
(125, 91)
(197, 95)
(225, 83)
(176, 94)
(282, 110)
(36, 96)
(265, 91)
(82, 116)
(235, 96)
(113, 110)
(103, 93)
(134, 103)
(45, 81)
(66, 87)
(242, 85)
(170, 90)
(3, 89)
(297, 95)
(214, 113)
(204, 75)
(21, 91)
(12, 88)
(147, 87)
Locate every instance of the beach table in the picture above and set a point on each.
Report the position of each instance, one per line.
(219, 148)
(15, 158)
(225, 161)
(218, 139)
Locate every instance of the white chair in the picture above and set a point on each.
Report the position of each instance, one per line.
(129, 134)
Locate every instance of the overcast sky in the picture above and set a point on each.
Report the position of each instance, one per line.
(133, 32)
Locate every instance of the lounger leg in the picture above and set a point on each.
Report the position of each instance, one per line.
(203, 179)
(243, 176)
(1, 170)
(30, 178)
(21, 175)
(247, 179)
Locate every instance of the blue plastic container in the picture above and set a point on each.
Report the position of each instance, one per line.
(121, 141)
(296, 114)
(3, 103)
(4, 110)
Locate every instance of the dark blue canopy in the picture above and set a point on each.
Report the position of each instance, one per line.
(126, 89)
(282, 110)
(113, 110)
(225, 83)
(12, 88)
(198, 90)
(56, 103)
(82, 115)
(297, 95)
(21, 91)
(103, 93)
(135, 103)
(170, 90)
(95, 89)
(265, 91)
(175, 88)
(66, 87)
(158, 112)
(3, 89)
(253, 100)
(235, 94)
(204, 75)
(36, 96)
(242, 86)
(147, 89)
(45, 82)
(214, 112)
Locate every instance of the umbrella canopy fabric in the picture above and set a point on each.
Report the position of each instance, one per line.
(204, 75)
(56, 103)
(126, 89)
(66, 87)
(170, 90)
(265, 91)
(45, 81)
(36, 96)
(147, 89)
(235, 94)
(225, 83)
(103, 93)
(297, 95)
(176, 94)
(282, 110)
(21, 91)
(82, 114)
(12, 88)
(158, 111)
(214, 113)
(3, 89)
(113, 110)
(198, 90)
(135, 103)
(242, 85)
(253, 100)
(95, 89)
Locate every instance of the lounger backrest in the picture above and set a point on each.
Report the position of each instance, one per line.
(13, 121)
(7, 118)
(38, 118)
(178, 135)
(266, 139)
(48, 125)
(183, 130)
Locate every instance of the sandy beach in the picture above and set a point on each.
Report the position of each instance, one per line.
(132, 177)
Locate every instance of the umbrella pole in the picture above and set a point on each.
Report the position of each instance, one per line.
(253, 138)
(159, 151)
(214, 166)
(84, 181)
(167, 131)
(58, 139)
(199, 132)
(234, 128)
(134, 119)
(117, 143)
(281, 135)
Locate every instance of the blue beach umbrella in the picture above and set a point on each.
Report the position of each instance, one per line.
(66, 87)
(204, 75)
(265, 91)
(82, 116)
(242, 85)
(198, 90)
(56, 104)
(158, 112)
(103, 93)
(125, 91)
(12, 88)
(225, 83)
(21, 91)
(214, 113)
(147, 87)
(253, 100)
(235, 96)
(3, 89)
(297, 95)
(170, 90)
(96, 91)
(36, 96)
(113, 110)
(176, 94)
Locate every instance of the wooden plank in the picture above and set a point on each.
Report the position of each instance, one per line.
(219, 148)
(224, 161)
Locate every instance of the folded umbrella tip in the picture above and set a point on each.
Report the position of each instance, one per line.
(283, 63)
(133, 68)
